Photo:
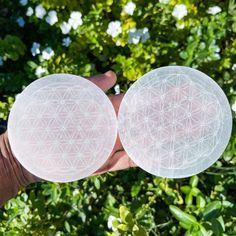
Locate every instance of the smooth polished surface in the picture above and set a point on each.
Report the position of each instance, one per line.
(174, 122)
(62, 128)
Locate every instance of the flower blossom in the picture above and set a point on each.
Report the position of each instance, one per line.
(65, 27)
(40, 71)
(129, 8)
(111, 218)
(47, 53)
(51, 18)
(23, 2)
(35, 49)
(234, 107)
(114, 28)
(75, 19)
(135, 36)
(40, 11)
(20, 21)
(117, 89)
(180, 11)
(29, 11)
(66, 41)
(213, 10)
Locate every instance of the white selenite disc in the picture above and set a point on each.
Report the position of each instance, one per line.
(62, 128)
(174, 122)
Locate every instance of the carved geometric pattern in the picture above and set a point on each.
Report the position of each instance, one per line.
(174, 122)
(62, 128)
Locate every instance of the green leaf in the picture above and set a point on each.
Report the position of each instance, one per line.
(221, 221)
(139, 231)
(200, 201)
(203, 231)
(189, 199)
(183, 55)
(67, 226)
(135, 189)
(234, 27)
(97, 183)
(123, 227)
(193, 181)
(195, 191)
(212, 210)
(126, 215)
(217, 228)
(182, 216)
(185, 189)
(185, 226)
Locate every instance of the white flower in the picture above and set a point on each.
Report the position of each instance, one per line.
(234, 67)
(40, 71)
(179, 26)
(145, 34)
(234, 107)
(29, 11)
(35, 49)
(213, 10)
(118, 43)
(51, 18)
(75, 19)
(1, 61)
(164, 1)
(111, 218)
(47, 53)
(23, 2)
(135, 36)
(40, 11)
(180, 11)
(66, 41)
(129, 8)
(65, 27)
(117, 89)
(20, 21)
(114, 28)
(75, 192)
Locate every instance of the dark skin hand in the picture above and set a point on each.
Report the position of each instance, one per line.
(13, 176)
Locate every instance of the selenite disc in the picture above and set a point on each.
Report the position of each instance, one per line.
(174, 122)
(62, 128)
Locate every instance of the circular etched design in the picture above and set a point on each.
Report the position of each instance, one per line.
(62, 128)
(174, 122)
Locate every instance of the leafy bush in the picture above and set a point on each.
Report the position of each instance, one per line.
(93, 36)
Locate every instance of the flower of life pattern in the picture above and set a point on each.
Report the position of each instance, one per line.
(174, 122)
(62, 128)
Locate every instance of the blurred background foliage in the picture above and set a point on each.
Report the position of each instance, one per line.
(129, 202)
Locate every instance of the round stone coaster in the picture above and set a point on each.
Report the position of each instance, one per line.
(174, 122)
(62, 128)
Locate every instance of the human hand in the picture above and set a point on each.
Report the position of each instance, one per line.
(14, 176)
(118, 159)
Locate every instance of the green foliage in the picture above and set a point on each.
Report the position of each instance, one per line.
(141, 204)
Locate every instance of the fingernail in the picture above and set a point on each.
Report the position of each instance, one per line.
(110, 72)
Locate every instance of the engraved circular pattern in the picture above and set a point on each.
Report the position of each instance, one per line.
(62, 128)
(174, 122)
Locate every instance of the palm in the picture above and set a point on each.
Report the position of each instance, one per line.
(118, 159)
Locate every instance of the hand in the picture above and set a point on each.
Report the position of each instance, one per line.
(118, 159)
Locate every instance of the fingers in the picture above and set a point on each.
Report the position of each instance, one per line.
(116, 101)
(119, 161)
(104, 81)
